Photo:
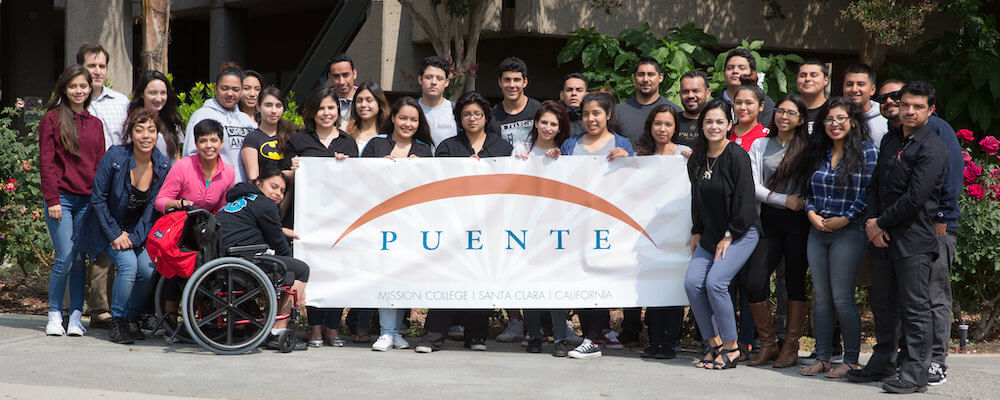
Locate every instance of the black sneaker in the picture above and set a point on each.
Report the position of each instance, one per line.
(476, 344)
(561, 349)
(119, 332)
(535, 345)
(133, 328)
(650, 351)
(902, 387)
(665, 353)
(586, 350)
(865, 376)
(936, 374)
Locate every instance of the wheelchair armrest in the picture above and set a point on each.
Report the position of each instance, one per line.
(279, 266)
(247, 251)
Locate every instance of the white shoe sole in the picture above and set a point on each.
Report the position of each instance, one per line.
(402, 346)
(74, 332)
(380, 348)
(423, 349)
(578, 355)
(478, 347)
(53, 332)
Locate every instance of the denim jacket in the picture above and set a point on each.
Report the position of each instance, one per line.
(109, 199)
(620, 141)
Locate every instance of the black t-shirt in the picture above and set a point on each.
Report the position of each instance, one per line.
(811, 114)
(514, 128)
(307, 144)
(687, 131)
(381, 146)
(268, 154)
(459, 146)
(724, 201)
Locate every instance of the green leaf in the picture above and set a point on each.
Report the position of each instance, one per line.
(633, 37)
(793, 58)
(980, 74)
(590, 54)
(679, 61)
(660, 54)
(995, 83)
(980, 111)
(756, 44)
(957, 104)
(782, 82)
(571, 51)
(687, 47)
(621, 59)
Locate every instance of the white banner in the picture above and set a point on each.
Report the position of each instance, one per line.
(576, 232)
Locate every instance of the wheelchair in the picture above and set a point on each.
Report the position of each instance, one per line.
(229, 304)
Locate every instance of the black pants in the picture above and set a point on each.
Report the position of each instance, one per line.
(664, 324)
(476, 322)
(901, 294)
(941, 300)
(632, 321)
(594, 322)
(784, 237)
(327, 317)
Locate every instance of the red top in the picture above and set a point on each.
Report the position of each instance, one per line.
(757, 132)
(62, 172)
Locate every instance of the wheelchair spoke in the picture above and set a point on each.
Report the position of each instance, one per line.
(230, 321)
(210, 295)
(248, 317)
(247, 296)
(210, 317)
(229, 283)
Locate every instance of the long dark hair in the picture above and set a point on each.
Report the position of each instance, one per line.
(170, 118)
(699, 153)
(784, 175)
(814, 155)
(607, 103)
(381, 119)
(551, 106)
(423, 133)
(68, 134)
(285, 128)
(646, 144)
(311, 107)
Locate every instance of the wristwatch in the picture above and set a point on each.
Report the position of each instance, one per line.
(728, 235)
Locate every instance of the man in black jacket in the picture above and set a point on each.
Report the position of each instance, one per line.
(902, 203)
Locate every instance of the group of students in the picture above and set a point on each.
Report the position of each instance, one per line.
(796, 185)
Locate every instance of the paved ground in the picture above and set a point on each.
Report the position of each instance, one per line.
(35, 366)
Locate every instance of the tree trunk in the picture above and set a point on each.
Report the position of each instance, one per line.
(986, 318)
(156, 34)
(872, 52)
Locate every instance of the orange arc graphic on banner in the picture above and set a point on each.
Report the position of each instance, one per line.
(475, 185)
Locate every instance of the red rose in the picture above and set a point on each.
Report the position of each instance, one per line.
(976, 191)
(11, 185)
(965, 135)
(989, 145)
(971, 173)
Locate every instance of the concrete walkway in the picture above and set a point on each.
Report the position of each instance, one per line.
(33, 365)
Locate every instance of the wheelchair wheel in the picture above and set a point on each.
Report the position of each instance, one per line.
(228, 306)
(172, 323)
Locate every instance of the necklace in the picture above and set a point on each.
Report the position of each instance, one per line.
(708, 168)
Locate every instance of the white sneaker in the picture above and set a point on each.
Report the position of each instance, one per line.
(384, 343)
(524, 342)
(75, 326)
(571, 336)
(478, 346)
(513, 333)
(586, 350)
(399, 343)
(423, 349)
(55, 327)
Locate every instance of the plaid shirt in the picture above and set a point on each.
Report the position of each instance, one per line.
(112, 108)
(828, 197)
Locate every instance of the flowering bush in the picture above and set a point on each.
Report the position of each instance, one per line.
(24, 238)
(977, 262)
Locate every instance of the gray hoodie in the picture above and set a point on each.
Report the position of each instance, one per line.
(236, 125)
(878, 126)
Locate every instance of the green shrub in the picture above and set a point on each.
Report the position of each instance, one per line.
(192, 100)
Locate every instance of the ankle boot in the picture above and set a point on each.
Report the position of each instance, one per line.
(119, 331)
(765, 331)
(795, 323)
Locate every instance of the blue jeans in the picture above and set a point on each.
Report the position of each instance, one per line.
(389, 319)
(67, 263)
(133, 287)
(835, 259)
(707, 286)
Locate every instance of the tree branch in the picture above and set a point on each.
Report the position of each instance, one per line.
(421, 20)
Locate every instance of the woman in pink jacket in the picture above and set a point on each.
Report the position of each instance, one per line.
(200, 180)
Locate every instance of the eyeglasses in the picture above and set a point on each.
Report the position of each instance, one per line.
(883, 98)
(836, 120)
(789, 113)
(472, 115)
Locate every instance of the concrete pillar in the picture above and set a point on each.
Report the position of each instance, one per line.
(227, 36)
(108, 23)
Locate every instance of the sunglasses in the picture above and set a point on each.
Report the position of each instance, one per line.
(883, 98)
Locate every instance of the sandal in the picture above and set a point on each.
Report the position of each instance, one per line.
(841, 370)
(713, 351)
(362, 339)
(727, 362)
(816, 368)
